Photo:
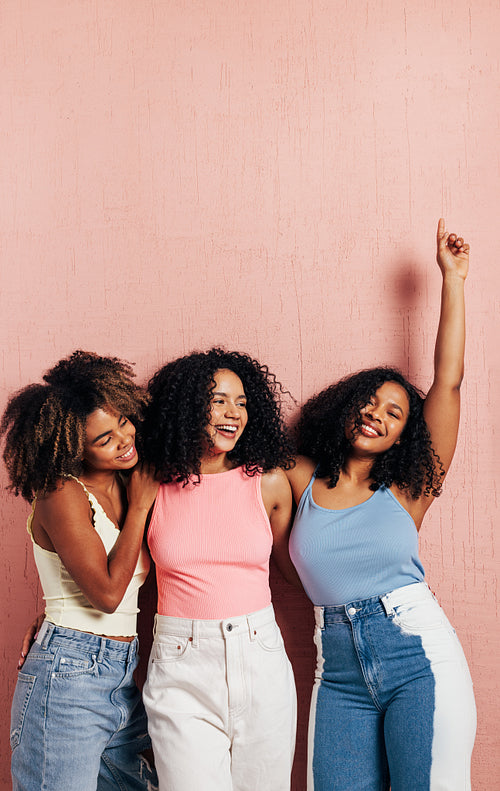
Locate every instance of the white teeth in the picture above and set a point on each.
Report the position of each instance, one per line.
(227, 428)
(126, 456)
(369, 430)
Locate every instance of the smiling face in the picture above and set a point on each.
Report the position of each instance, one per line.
(228, 412)
(382, 420)
(109, 441)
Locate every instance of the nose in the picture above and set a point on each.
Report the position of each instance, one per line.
(372, 411)
(124, 435)
(232, 410)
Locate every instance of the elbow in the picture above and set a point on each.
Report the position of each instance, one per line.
(106, 603)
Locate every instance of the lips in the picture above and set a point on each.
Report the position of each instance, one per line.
(369, 430)
(128, 455)
(227, 428)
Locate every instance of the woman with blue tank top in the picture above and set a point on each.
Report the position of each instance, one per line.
(392, 703)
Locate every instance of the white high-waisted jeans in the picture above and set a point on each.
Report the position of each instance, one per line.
(221, 704)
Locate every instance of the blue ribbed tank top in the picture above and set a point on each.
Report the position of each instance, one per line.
(354, 553)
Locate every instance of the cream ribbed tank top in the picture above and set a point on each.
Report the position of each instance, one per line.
(211, 543)
(66, 605)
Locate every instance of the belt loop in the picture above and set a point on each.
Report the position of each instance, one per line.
(44, 635)
(386, 604)
(320, 621)
(102, 648)
(132, 647)
(195, 633)
(252, 631)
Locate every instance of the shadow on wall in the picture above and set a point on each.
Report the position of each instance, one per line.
(406, 287)
(294, 614)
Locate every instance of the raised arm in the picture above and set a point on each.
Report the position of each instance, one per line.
(442, 405)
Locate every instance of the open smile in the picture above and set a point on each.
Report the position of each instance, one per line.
(128, 455)
(226, 428)
(369, 430)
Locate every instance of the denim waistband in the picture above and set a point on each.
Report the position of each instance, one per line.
(52, 635)
(227, 628)
(362, 608)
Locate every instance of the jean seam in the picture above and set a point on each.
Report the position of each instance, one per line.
(368, 683)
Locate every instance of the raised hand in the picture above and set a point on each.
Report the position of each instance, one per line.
(452, 252)
(142, 488)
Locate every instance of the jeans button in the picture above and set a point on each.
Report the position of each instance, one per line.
(229, 627)
(352, 611)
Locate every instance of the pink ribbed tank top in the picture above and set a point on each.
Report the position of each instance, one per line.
(211, 543)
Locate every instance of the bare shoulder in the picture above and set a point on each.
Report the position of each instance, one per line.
(274, 484)
(69, 496)
(300, 475)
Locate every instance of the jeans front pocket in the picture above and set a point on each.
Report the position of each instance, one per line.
(269, 637)
(170, 648)
(421, 616)
(20, 702)
(71, 662)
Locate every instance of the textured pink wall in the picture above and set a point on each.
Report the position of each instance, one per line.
(268, 176)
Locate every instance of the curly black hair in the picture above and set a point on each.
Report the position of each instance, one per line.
(411, 464)
(174, 433)
(44, 424)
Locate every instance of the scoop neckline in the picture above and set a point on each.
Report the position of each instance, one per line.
(341, 510)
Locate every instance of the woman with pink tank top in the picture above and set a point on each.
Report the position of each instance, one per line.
(220, 693)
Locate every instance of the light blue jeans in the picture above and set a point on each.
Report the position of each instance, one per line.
(78, 723)
(392, 704)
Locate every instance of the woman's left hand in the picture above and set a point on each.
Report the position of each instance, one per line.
(452, 252)
(29, 638)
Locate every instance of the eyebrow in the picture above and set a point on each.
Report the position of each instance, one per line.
(106, 433)
(217, 392)
(393, 405)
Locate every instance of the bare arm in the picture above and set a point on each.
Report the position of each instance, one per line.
(277, 497)
(66, 519)
(442, 405)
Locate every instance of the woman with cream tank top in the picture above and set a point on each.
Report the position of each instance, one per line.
(77, 717)
(220, 693)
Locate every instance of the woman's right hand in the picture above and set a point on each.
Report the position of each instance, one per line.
(29, 639)
(142, 488)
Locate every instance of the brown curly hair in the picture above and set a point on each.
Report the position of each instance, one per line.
(44, 424)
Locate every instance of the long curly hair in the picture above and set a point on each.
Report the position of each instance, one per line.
(44, 424)
(411, 464)
(174, 435)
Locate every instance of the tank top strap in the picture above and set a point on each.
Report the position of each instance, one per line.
(306, 494)
(90, 497)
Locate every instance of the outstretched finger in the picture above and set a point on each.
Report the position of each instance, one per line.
(441, 232)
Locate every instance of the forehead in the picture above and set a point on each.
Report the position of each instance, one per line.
(100, 420)
(226, 381)
(394, 392)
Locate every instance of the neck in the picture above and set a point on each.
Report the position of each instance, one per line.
(211, 464)
(102, 480)
(357, 471)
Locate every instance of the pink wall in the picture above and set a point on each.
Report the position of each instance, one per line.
(268, 176)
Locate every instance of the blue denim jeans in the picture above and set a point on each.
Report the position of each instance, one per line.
(392, 703)
(77, 716)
